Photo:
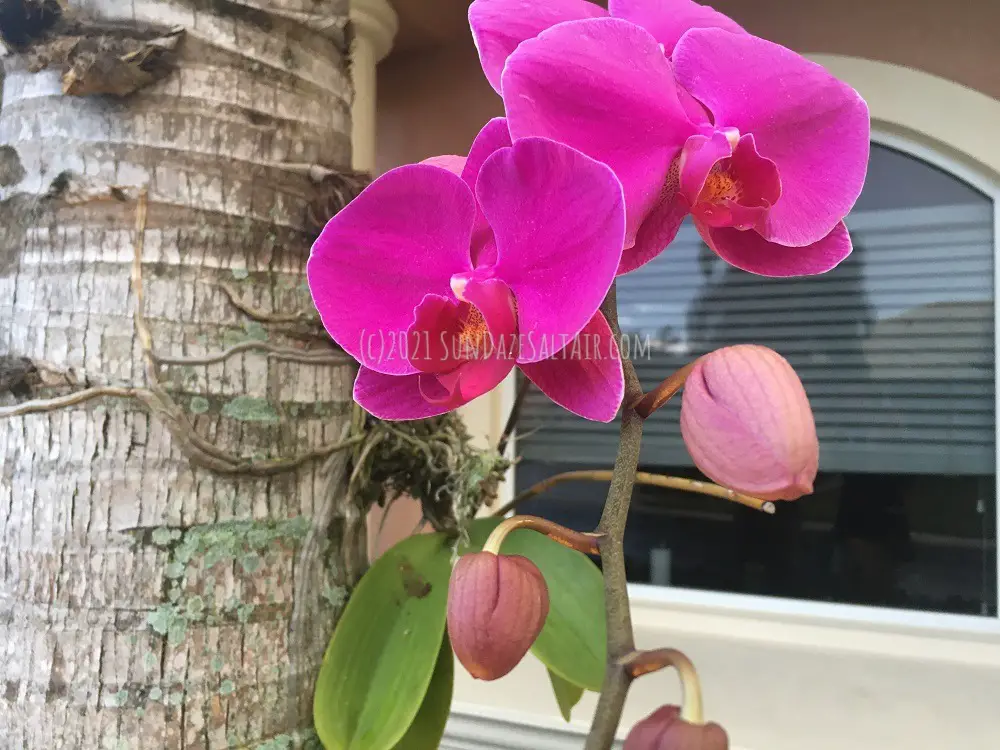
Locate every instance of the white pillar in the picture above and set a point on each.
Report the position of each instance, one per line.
(375, 26)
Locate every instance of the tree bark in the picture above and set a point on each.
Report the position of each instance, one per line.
(147, 601)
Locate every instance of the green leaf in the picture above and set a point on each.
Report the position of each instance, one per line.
(427, 729)
(379, 664)
(567, 694)
(573, 642)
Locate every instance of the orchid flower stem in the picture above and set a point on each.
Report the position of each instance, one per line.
(515, 413)
(642, 477)
(647, 662)
(662, 393)
(621, 641)
(581, 542)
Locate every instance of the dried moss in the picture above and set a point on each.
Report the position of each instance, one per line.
(433, 461)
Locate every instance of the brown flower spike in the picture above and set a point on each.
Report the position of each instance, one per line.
(665, 730)
(497, 605)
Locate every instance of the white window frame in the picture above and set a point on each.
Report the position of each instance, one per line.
(660, 597)
(663, 598)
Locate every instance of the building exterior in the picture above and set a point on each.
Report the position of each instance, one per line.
(864, 617)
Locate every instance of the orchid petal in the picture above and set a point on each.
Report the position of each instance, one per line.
(700, 154)
(476, 347)
(604, 87)
(495, 302)
(657, 231)
(470, 381)
(430, 341)
(751, 252)
(394, 397)
(492, 137)
(727, 186)
(558, 217)
(815, 128)
(452, 162)
(668, 21)
(499, 26)
(404, 237)
(586, 376)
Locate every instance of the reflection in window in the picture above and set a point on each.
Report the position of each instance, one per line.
(896, 351)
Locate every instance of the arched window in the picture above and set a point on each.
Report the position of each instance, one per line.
(897, 351)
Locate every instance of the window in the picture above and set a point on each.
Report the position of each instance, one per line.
(896, 348)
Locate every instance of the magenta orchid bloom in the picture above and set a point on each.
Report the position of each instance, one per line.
(441, 277)
(765, 149)
(499, 26)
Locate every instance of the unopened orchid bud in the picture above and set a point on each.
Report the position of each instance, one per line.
(747, 423)
(497, 605)
(665, 730)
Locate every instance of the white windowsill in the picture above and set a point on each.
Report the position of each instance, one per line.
(473, 727)
(777, 680)
(904, 634)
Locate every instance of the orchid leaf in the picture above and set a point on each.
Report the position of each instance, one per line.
(384, 654)
(427, 729)
(567, 694)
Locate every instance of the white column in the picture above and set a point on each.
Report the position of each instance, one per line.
(375, 26)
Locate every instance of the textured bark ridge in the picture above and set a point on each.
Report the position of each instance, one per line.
(146, 602)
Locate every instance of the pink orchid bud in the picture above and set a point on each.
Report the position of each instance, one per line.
(665, 730)
(747, 423)
(497, 605)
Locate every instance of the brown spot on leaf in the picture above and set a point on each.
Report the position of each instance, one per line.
(414, 584)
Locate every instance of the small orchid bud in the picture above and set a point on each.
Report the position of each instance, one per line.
(497, 605)
(747, 423)
(665, 730)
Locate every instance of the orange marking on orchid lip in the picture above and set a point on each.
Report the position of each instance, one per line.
(672, 182)
(474, 332)
(720, 186)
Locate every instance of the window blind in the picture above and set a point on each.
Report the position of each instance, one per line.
(895, 347)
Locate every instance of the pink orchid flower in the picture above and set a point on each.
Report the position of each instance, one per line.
(441, 277)
(499, 26)
(765, 149)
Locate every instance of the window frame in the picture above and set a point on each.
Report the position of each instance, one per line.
(650, 599)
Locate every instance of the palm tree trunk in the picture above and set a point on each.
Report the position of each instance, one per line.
(175, 538)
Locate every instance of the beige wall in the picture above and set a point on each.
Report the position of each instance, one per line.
(431, 103)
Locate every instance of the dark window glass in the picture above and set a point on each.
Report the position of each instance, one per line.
(896, 351)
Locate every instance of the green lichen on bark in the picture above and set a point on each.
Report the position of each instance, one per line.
(201, 548)
(249, 409)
